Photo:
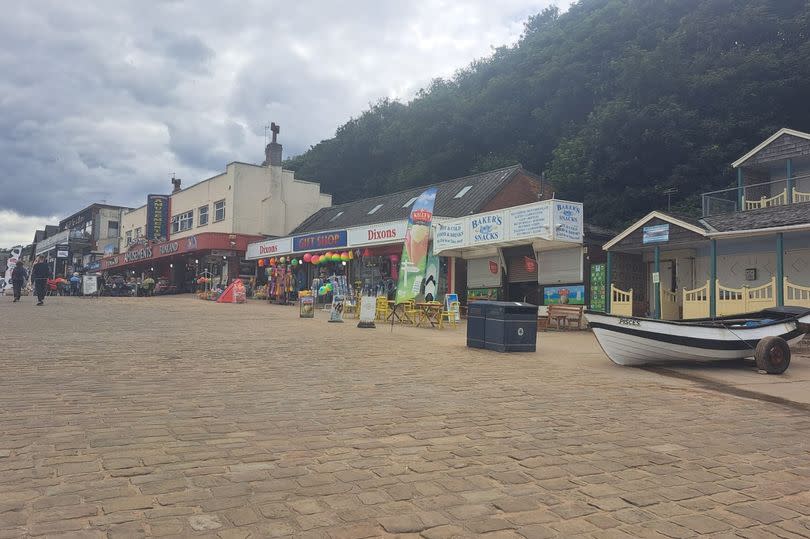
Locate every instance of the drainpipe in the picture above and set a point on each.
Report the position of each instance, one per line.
(713, 280)
(608, 281)
(740, 190)
(657, 286)
(780, 269)
(790, 181)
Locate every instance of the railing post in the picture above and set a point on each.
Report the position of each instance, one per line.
(740, 190)
(790, 181)
(780, 270)
(713, 279)
(657, 286)
(609, 281)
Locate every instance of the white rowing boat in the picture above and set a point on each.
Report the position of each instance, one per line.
(643, 341)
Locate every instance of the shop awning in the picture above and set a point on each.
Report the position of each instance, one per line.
(148, 252)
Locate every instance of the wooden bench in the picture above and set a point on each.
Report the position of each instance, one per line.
(563, 315)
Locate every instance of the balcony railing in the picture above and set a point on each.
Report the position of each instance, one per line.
(757, 196)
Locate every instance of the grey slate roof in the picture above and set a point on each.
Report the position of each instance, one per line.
(791, 214)
(483, 187)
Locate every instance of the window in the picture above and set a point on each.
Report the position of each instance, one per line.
(338, 214)
(112, 229)
(138, 232)
(182, 221)
(411, 201)
(129, 237)
(375, 208)
(463, 192)
(203, 216)
(219, 210)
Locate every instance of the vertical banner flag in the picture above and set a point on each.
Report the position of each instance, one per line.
(157, 217)
(415, 250)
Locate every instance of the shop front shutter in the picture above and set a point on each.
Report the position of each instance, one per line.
(562, 266)
(516, 271)
(479, 274)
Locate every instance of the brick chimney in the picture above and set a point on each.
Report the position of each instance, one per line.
(176, 184)
(273, 150)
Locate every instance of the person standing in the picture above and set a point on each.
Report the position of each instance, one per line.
(40, 274)
(18, 277)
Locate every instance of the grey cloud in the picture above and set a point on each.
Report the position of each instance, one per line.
(101, 103)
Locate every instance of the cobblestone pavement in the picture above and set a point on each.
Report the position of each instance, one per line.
(178, 417)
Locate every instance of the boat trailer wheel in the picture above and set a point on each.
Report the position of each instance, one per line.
(772, 355)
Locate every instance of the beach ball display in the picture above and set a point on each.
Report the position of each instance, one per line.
(351, 255)
(344, 256)
(272, 261)
(322, 291)
(294, 262)
(329, 286)
(282, 259)
(307, 258)
(261, 262)
(324, 259)
(328, 255)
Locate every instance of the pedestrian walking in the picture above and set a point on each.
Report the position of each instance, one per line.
(75, 282)
(40, 274)
(18, 277)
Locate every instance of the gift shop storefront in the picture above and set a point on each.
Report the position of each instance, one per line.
(180, 263)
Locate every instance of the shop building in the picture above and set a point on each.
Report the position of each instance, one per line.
(205, 228)
(487, 231)
(749, 249)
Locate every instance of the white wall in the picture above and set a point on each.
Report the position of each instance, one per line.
(130, 221)
(258, 200)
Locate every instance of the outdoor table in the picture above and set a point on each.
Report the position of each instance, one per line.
(429, 312)
(396, 311)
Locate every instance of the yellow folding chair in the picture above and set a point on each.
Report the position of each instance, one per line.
(450, 314)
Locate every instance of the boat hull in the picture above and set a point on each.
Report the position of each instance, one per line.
(642, 341)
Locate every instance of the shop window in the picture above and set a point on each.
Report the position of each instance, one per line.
(374, 209)
(175, 224)
(219, 210)
(203, 216)
(186, 220)
(112, 229)
(129, 238)
(411, 201)
(463, 192)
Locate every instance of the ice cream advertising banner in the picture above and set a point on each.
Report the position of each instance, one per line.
(414, 252)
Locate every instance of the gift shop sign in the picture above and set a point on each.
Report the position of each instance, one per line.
(281, 246)
(374, 234)
(321, 240)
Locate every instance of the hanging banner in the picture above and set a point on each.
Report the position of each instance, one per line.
(415, 250)
(336, 314)
(530, 263)
(157, 217)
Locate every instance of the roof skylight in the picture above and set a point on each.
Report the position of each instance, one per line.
(411, 201)
(338, 214)
(374, 209)
(463, 191)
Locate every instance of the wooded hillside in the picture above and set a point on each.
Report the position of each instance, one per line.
(614, 100)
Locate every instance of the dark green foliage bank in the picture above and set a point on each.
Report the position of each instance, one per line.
(614, 100)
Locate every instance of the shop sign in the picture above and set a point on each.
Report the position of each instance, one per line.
(568, 221)
(487, 228)
(138, 254)
(62, 252)
(261, 249)
(112, 261)
(49, 243)
(169, 248)
(384, 233)
(448, 235)
(656, 234)
(77, 220)
(93, 266)
(530, 221)
(221, 252)
(321, 240)
(157, 217)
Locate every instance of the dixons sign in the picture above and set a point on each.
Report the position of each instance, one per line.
(373, 234)
(261, 249)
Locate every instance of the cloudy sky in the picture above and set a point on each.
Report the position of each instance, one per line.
(105, 103)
